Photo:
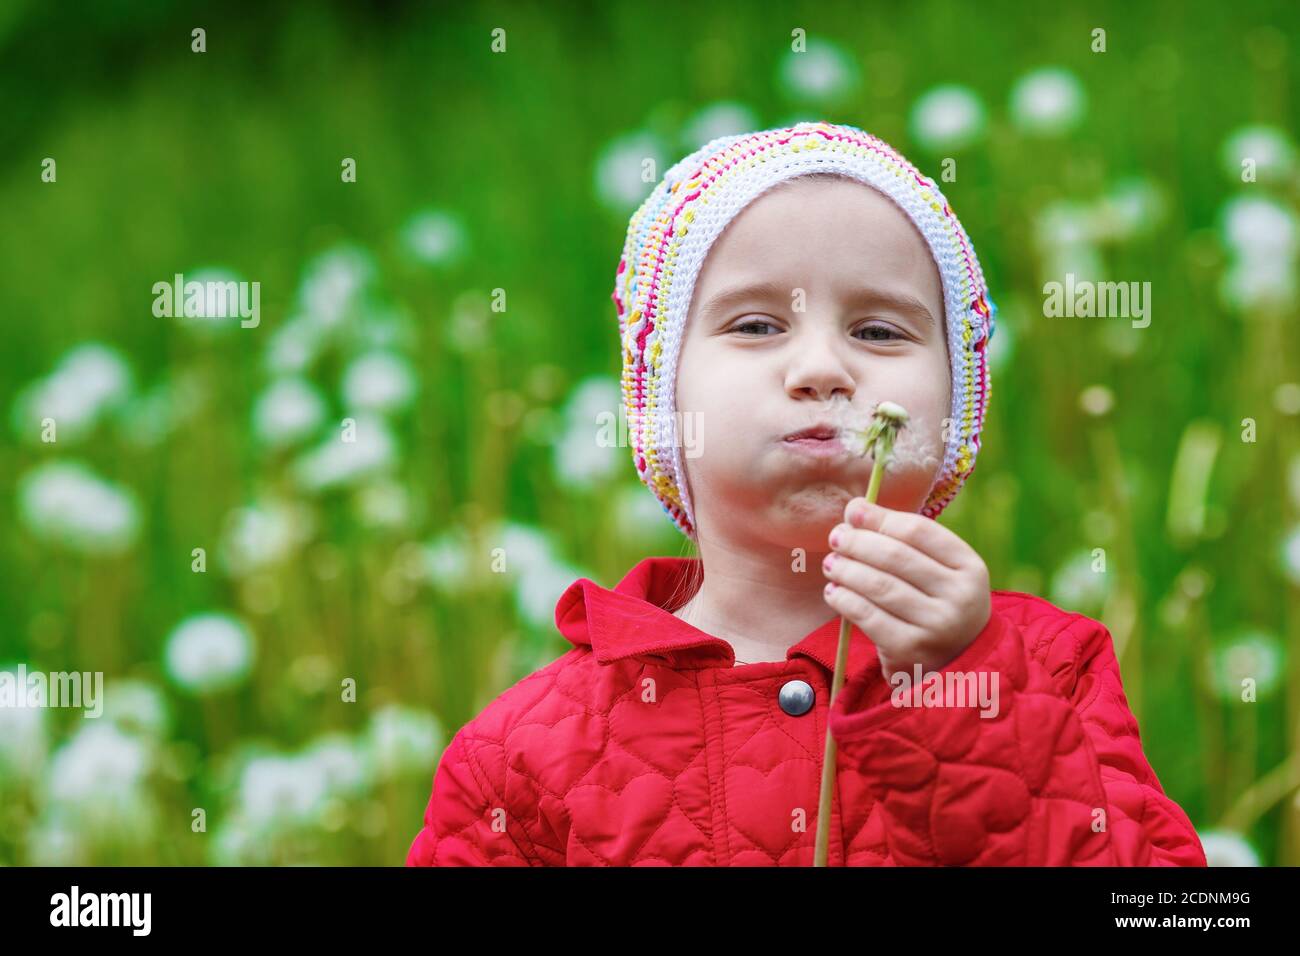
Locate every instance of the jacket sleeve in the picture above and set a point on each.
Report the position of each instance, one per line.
(1048, 772)
(466, 822)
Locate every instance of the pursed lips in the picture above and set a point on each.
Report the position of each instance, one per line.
(819, 439)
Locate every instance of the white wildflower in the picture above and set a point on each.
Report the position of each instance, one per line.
(628, 169)
(1251, 655)
(289, 410)
(137, 707)
(1079, 585)
(947, 118)
(333, 283)
(336, 461)
(717, 120)
(66, 503)
(379, 381)
(90, 381)
(277, 790)
(822, 72)
(434, 237)
(1047, 102)
(263, 533)
(23, 741)
(587, 451)
(1227, 848)
(97, 782)
(209, 652)
(914, 448)
(403, 740)
(1268, 148)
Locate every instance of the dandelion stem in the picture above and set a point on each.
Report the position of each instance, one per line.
(889, 418)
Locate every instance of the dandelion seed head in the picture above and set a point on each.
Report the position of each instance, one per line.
(913, 447)
(1227, 848)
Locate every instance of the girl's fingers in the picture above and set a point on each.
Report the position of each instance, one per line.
(924, 534)
(885, 631)
(882, 588)
(896, 557)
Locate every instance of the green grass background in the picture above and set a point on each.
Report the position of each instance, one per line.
(171, 161)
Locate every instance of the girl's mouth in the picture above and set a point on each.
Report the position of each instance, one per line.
(818, 441)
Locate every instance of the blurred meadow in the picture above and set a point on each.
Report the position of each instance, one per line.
(198, 532)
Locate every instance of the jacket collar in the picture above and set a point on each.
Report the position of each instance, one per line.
(635, 619)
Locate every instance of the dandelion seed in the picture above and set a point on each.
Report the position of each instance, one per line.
(912, 448)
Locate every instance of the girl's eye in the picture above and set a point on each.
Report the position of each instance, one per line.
(751, 324)
(887, 332)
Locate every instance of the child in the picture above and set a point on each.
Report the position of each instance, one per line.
(771, 285)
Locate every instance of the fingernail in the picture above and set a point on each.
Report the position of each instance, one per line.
(835, 538)
(827, 562)
(829, 588)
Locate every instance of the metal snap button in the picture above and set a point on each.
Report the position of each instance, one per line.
(796, 697)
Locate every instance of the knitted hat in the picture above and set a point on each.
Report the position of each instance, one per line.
(670, 235)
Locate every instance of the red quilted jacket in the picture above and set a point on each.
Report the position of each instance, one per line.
(645, 745)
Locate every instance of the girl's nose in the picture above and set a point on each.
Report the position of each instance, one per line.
(818, 368)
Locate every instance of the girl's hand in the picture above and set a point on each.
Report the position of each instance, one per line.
(917, 589)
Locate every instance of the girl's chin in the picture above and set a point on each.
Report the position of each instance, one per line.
(824, 505)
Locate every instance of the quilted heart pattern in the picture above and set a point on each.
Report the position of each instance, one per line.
(644, 745)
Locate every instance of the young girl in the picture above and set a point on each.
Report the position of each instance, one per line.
(774, 287)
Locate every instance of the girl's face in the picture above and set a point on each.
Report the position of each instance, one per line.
(754, 368)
